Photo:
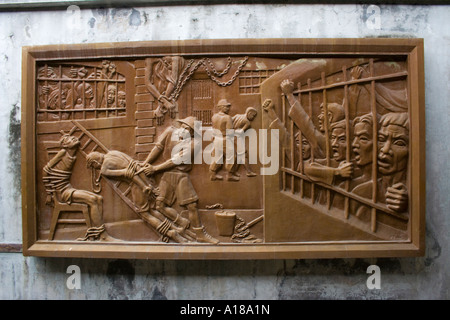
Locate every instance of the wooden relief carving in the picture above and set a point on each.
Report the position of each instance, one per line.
(224, 149)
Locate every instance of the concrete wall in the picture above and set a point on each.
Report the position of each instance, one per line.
(412, 278)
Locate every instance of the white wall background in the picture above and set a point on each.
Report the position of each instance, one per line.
(413, 278)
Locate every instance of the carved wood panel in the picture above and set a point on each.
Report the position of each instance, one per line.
(224, 149)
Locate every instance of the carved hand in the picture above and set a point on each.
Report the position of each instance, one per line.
(287, 86)
(397, 197)
(94, 75)
(156, 191)
(160, 111)
(356, 72)
(345, 169)
(149, 170)
(267, 104)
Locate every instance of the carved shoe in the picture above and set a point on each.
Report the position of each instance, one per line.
(233, 177)
(215, 177)
(203, 236)
(251, 174)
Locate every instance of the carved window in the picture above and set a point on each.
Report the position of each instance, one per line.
(385, 94)
(204, 116)
(77, 92)
(202, 89)
(250, 80)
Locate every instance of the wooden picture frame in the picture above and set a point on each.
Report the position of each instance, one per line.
(124, 97)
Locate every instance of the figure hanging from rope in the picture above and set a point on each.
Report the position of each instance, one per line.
(165, 78)
(161, 78)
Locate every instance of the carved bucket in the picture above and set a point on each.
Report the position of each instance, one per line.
(225, 222)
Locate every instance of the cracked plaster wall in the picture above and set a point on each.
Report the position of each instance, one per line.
(406, 278)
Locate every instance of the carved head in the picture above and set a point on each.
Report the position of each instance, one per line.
(362, 144)
(335, 113)
(112, 69)
(188, 124)
(68, 141)
(393, 143)
(338, 140)
(251, 113)
(303, 144)
(121, 97)
(111, 96)
(94, 160)
(224, 106)
(105, 65)
(88, 91)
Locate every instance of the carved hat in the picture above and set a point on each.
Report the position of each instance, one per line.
(188, 121)
(223, 102)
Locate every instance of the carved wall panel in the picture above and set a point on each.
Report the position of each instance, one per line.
(224, 149)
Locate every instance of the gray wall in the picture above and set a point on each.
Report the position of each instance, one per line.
(416, 278)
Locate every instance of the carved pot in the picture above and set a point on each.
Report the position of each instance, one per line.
(225, 221)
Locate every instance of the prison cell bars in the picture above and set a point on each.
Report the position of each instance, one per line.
(372, 203)
(348, 139)
(327, 132)
(60, 79)
(313, 186)
(373, 107)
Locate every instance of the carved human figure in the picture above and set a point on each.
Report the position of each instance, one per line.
(297, 113)
(121, 99)
(393, 151)
(111, 96)
(221, 122)
(117, 165)
(335, 113)
(85, 96)
(175, 182)
(161, 78)
(362, 147)
(242, 122)
(49, 92)
(392, 161)
(319, 170)
(108, 71)
(337, 168)
(275, 123)
(56, 177)
(303, 147)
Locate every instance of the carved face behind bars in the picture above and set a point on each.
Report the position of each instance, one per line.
(338, 140)
(111, 97)
(335, 113)
(303, 146)
(393, 143)
(362, 144)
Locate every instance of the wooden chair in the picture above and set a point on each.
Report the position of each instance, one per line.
(64, 207)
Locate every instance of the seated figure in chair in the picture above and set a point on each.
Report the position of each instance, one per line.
(57, 174)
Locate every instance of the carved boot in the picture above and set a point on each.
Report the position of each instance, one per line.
(214, 176)
(233, 177)
(203, 236)
(251, 174)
